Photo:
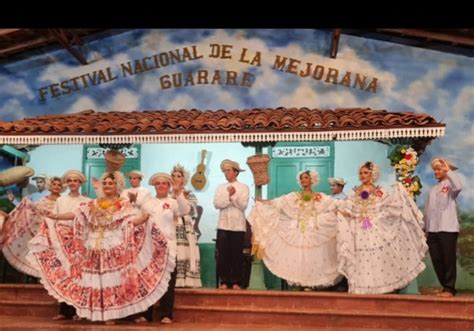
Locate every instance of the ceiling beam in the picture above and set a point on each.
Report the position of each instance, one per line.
(19, 47)
(5, 32)
(336, 34)
(68, 40)
(431, 35)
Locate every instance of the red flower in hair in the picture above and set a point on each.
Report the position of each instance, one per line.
(408, 180)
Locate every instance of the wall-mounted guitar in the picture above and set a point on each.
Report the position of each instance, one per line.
(199, 178)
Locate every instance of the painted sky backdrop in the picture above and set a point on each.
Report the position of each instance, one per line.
(409, 79)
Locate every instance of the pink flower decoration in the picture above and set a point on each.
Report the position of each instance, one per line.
(366, 224)
(445, 189)
(166, 206)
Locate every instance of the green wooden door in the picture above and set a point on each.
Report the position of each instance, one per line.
(287, 160)
(93, 164)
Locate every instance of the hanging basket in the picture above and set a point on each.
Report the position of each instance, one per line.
(258, 164)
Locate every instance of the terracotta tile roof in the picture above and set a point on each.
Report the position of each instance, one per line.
(90, 122)
(248, 125)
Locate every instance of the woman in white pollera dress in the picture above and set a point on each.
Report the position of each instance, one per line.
(296, 235)
(380, 241)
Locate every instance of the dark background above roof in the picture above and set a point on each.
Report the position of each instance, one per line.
(16, 44)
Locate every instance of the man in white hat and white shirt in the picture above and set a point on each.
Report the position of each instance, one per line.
(164, 211)
(63, 211)
(231, 199)
(442, 223)
(337, 188)
(136, 193)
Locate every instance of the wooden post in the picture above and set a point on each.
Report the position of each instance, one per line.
(258, 188)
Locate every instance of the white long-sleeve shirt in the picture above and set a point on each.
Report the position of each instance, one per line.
(339, 196)
(440, 208)
(232, 209)
(66, 203)
(165, 212)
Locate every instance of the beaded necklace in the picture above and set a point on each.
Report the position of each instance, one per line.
(102, 217)
(365, 200)
(307, 212)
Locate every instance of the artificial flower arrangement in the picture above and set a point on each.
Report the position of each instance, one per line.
(308, 196)
(405, 159)
(107, 203)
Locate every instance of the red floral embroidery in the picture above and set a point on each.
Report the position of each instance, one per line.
(134, 286)
(131, 284)
(445, 189)
(75, 271)
(166, 206)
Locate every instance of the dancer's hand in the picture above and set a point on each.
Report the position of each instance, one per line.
(142, 219)
(132, 197)
(10, 196)
(444, 166)
(177, 188)
(231, 190)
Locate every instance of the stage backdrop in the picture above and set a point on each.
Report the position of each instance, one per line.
(237, 69)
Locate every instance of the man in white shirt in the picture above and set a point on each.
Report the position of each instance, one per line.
(442, 224)
(164, 212)
(136, 193)
(231, 199)
(337, 192)
(63, 212)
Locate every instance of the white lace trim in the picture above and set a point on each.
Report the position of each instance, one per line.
(370, 134)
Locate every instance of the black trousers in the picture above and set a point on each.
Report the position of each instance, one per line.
(166, 302)
(67, 310)
(442, 247)
(230, 245)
